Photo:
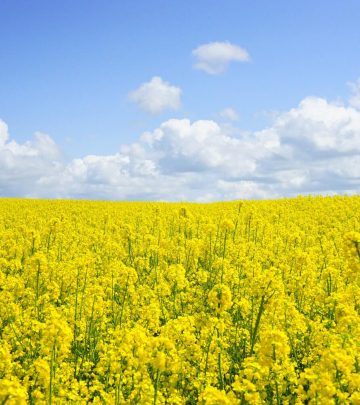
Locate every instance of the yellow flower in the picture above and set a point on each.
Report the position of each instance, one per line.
(213, 396)
(12, 392)
(219, 298)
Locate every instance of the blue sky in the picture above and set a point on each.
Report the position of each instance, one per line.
(68, 69)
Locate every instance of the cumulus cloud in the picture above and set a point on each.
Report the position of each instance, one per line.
(319, 127)
(354, 100)
(204, 146)
(313, 148)
(4, 135)
(21, 165)
(156, 96)
(214, 57)
(229, 114)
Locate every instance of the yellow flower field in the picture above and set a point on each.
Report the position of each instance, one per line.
(250, 302)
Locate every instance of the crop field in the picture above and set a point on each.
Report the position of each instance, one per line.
(250, 302)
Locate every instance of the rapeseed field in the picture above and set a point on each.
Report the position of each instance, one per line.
(251, 302)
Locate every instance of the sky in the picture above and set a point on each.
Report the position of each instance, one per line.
(179, 100)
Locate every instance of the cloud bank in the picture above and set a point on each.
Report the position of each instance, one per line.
(313, 148)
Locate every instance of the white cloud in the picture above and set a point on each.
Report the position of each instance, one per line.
(229, 114)
(22, 164)
(4, 135)
(319, 126)
(204, 146)
(214, 57)
(241, 190)
(156, 96)
(312, 148)
(354, 99)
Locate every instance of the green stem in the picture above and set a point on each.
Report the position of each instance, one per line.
(156, 385)
(207, 352)
(257, 324)
(221, 377)
(52, 371)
